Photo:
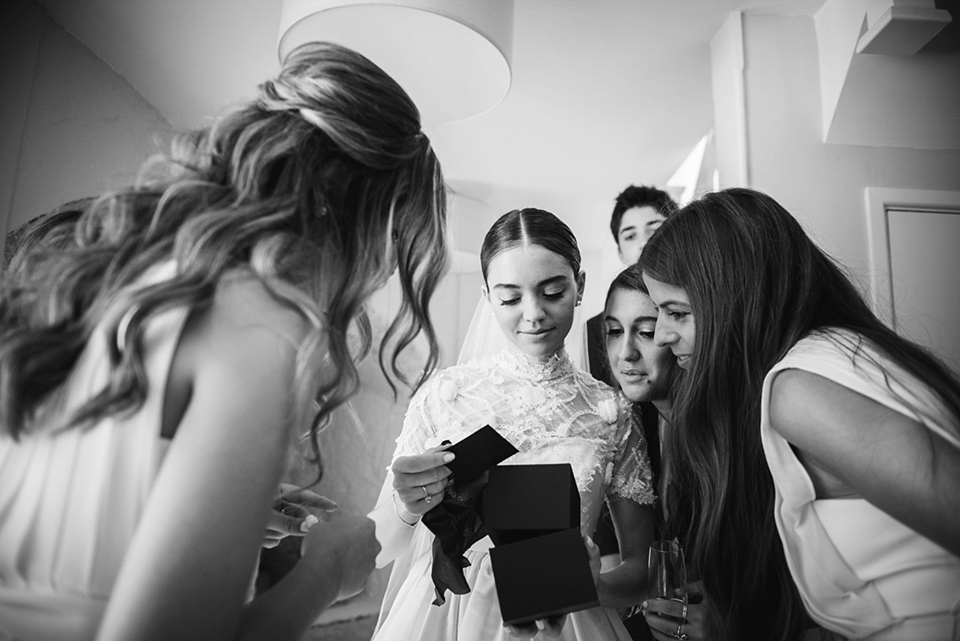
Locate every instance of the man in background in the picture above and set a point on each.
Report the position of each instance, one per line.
(637, 213)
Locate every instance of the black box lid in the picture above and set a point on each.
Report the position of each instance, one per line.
(478, 452)
(523, 501)
(543, 576)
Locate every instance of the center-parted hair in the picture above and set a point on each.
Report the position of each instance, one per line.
(321, 186)
(529, 226)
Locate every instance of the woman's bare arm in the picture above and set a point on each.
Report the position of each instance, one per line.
(854, 446)
(626, 584)
(194, 553)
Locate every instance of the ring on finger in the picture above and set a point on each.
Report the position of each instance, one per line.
(426, 494)
(679, 634)
(683, 613)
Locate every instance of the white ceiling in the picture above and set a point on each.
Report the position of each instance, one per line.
(604, 92)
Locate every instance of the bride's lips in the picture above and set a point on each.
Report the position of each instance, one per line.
(683, 359)
(536, 333)
(633, 375)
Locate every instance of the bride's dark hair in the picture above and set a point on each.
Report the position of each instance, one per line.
(321, 186)
(529, 226)
(757, 284)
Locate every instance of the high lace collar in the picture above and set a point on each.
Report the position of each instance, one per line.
(535, 369)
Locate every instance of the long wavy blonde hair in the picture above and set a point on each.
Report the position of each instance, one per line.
(321, 186)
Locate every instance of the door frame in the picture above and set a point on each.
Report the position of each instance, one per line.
(878, 201)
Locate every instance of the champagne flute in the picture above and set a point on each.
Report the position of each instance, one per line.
(667, 571)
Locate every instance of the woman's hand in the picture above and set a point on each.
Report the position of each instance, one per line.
(344, 549)
(593, 557)
(295, 511)
(674, 620)
(419, 480)
(551, 628)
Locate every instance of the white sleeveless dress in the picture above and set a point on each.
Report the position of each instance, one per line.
(70, 499)
(551, 412)
(861, 573)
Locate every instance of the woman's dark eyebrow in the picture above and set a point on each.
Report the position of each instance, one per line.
(542, 283)
(638, 319)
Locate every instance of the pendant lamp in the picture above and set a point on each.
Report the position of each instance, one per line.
(451, 56)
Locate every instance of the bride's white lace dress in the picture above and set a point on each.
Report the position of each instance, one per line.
(551, 412)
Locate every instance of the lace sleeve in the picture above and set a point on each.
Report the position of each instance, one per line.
(419, 427)
(631, 476)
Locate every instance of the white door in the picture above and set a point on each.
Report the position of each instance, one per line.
(925, 269)
(922, 266)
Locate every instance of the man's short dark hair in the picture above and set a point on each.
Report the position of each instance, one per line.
(642, 196)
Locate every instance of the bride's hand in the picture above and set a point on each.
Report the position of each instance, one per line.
(551, 628)
(419, 480)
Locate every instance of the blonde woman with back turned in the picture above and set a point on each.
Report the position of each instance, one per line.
(155, 370)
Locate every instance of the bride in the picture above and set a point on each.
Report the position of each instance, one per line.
(552, 412)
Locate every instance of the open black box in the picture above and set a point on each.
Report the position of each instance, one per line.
(478, 452)
(540, 565)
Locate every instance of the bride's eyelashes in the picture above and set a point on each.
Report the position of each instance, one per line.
(549, 296)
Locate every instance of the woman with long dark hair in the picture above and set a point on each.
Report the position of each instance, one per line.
(162, 352)
(814, 452)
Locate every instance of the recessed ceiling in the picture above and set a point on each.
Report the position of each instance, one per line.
(604, 92)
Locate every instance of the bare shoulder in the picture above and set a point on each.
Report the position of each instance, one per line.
(244, 304)
(806, 408)
(246, 334)
(792, 394)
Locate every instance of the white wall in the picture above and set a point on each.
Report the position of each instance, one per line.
(69, 125)
(822, 184)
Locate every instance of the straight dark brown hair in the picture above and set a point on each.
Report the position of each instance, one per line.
(757, 285)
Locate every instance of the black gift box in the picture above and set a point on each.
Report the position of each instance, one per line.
(478, 452)
(524, 501)
(543, 576)
(540, 564)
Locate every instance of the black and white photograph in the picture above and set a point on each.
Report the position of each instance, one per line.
(480, 320)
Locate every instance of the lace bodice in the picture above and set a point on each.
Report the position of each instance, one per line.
(549, 410)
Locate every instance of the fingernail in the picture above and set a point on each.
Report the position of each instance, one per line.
(449, 456)
(308, 523)
(643, 606)
(591, 543)
(540, 624)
